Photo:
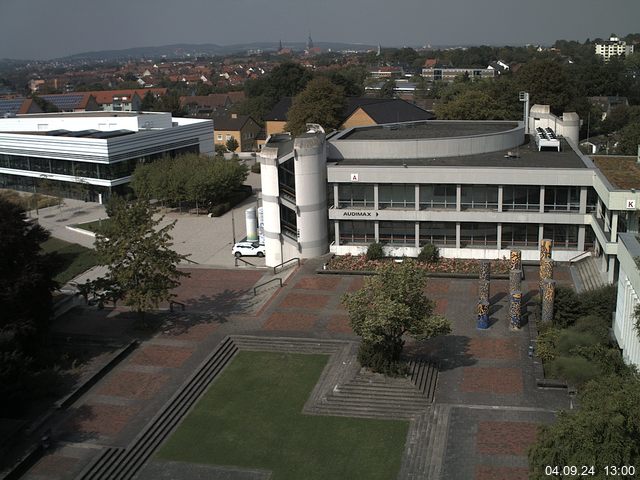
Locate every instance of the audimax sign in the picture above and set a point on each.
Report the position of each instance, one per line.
(359, 213)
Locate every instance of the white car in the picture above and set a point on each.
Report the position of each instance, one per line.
(248, 249)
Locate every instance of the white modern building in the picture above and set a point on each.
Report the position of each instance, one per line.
(627, 336)
(613, 48)
(91, 154)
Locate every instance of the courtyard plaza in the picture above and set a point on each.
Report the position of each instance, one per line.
(486, 404)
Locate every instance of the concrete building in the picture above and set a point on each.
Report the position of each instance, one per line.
(92, 154)
(449, 74)
(476, 189)
(612, 48)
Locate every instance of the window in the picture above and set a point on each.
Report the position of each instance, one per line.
(355, 232)
(398, 233)
(481, 197)
(286, 178)
(228, 137)
(563, 236)
(520, 235)
(220, 136)
(354, 195)
(289, 222)
(438, 233)
(437, 196)
(396, 196)
(520, 197)
(562, 199)
(478, 234)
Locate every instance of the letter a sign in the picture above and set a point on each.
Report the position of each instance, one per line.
(354, 177)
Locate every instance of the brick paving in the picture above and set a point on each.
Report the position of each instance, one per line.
(481, 372)
(54, 465)
(162, 355)
(487, 472)
(505, 438)
(136, 385)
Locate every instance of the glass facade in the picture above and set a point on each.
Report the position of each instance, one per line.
(353, 195)
(482, 197)
(289, 222)
(562, 199)
(517, 197)
(358, 233)
(398, 233)
(397, 196)
(478, 234)
(437, 196)
(442, 234)
(565, 237)
(520, 235)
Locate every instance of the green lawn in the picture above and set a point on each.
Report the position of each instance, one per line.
(73, 259)
(94, 226)
(251, 417)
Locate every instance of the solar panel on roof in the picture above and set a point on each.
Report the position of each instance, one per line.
(82, 133)
(111, 134)
(58, 133)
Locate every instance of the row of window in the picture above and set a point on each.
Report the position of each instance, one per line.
(471, 234)
(482, 197)
(110, 171)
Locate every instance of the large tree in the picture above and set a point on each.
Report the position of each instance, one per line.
(548, 83)
(605, 430)
(320, 102)
(25, 278)
(142, 269)
(389, 306)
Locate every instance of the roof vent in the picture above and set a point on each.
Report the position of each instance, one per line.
(512, 154)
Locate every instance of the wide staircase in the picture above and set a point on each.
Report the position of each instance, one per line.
(123, 463)
(587, 275)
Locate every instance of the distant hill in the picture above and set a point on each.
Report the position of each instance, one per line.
(211, 49)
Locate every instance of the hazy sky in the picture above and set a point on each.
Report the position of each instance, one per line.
(42, 29)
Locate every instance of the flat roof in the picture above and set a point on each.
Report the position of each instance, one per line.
(526, 156)
(622, 172)
(427, 129)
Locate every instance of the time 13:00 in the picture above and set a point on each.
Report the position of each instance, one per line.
(587, 471)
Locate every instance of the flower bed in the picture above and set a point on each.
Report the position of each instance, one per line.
(444, 265)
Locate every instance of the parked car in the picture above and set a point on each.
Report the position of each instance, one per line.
(248, 249)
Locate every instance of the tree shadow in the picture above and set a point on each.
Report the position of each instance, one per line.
(497, 297)
(448, 351)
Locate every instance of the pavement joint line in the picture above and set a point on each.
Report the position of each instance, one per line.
(511, 408)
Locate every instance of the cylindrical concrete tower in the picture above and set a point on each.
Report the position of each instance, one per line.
(311, 194)
(251, 223)
(270, 192)
(571, 127)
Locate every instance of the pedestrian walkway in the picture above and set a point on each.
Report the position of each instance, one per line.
(486, 406)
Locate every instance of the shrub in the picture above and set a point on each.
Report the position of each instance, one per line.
(568, 340)
(546, 344)
(595, 325)
(220, 209)
(567, 307)
(375, 251)
(429, 254)
(255, 168)
(379, 358)
(576, 370)
(600, 302)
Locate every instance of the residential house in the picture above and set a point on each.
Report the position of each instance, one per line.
(241, 127)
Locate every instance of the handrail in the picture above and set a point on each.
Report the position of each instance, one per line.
(575, 259)
(295, 259)
(279, 280)
(191, 261)
(243, 261)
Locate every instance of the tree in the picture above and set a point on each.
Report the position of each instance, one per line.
(630, 139)
(232, 144)
(26, 281)
(149, 103)
(470, 105)
(390, 305)
(388, 89)
(320, 102)
(604, 431)
(548, 83)
(141, 266)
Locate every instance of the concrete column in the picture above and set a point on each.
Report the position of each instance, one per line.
(583, 200)
(540, 233)
(336, 196)
(336, 230)
(607, 221)
(599, 208)
(458, 234)
(499, 236)
(375, 199)
(458, 200)
(417, 234)
(376, 230)
(417, 194)
(612, 268)
(500, 194)
(614, 226)
(541, 200)
(581, 236)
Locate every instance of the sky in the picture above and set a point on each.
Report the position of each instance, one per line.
(44, 29)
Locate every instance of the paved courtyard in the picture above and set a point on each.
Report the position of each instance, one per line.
(486, 384)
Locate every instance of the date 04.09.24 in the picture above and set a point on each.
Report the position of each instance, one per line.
(624, 471)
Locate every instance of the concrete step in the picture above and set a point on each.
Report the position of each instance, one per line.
(437, 442)
(414, 463)
(409, 394)
(346, 410)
